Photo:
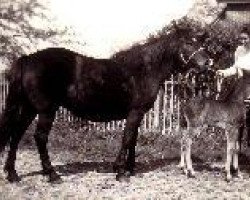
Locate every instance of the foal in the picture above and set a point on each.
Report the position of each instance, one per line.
(227, 113)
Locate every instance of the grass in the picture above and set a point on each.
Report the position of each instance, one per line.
(84, 160)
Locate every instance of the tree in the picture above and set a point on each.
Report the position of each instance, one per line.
(27, 25)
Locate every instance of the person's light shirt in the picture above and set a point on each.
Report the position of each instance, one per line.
(242, 63)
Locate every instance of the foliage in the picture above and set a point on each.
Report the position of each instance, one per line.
(24, 25)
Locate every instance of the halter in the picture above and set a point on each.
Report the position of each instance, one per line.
(219, 81)
(191, 56)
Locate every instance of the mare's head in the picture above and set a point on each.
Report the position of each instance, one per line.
(190, 53)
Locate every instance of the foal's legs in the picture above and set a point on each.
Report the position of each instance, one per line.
(182, 164)
(20, 124)
(232, 152)
(190, 170)
(45, 121)
(186, 160)
(228, 160)
(126, 157)
(236, 169)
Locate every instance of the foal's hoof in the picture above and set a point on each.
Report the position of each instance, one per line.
(123, 177)
(131, 173)
(228, 178)
(13, 178)
(239, 175)
(55, 178)
(190, 174)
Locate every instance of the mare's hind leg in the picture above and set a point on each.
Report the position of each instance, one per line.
(124, 161)
(20, 124)
(45, 121)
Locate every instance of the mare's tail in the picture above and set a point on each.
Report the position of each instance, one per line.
(12, 104)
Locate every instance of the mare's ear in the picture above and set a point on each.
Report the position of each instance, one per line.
(175, 25)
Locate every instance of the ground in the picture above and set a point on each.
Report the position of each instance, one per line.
(84, 159)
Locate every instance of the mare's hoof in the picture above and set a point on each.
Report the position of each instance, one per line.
(13, 178)
(55, 178)
(131, 173)
(115, 168)
(123, 177)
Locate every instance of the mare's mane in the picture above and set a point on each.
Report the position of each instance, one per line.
(156, 45)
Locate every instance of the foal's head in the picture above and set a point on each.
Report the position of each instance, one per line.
(231, 88)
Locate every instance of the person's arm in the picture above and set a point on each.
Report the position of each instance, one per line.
(240, 65)
(227, 72)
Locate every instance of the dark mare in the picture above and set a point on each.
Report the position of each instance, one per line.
(123, 87)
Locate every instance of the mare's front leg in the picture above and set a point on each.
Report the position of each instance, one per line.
(125, 160)
(45, 121)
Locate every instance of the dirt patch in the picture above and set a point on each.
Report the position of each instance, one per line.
(84, 159)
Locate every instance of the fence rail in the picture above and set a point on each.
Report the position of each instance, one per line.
(163, 117)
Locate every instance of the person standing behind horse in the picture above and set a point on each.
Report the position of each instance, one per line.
(242, 56)
(242, 63)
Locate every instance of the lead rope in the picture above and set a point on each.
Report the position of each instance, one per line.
(219, 81)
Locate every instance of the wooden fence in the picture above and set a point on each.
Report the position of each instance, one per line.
(163, 117)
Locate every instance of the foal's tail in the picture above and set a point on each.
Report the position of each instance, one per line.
(240, 136)
(12, 104)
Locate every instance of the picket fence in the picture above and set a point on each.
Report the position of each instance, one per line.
(163, 117)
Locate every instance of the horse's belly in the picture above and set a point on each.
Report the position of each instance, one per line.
(99, 107)
(99, 114)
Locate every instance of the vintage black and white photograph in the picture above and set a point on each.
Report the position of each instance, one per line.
(124, 100)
